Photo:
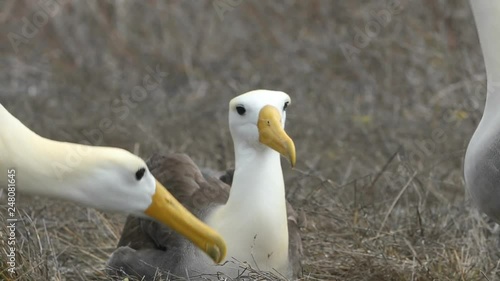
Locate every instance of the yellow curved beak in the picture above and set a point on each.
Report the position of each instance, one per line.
(272, 134)
(167, 210)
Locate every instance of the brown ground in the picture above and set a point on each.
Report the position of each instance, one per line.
(380, 133)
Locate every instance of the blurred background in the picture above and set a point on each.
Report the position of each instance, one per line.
(385, 97)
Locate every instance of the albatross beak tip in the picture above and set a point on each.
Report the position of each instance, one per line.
(217, 250)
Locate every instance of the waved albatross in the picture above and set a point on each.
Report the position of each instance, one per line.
(99, 177)
(482, 159)
(254, 218)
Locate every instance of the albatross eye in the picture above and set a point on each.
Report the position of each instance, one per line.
(241, 110)
(285, 105)
(140, 173)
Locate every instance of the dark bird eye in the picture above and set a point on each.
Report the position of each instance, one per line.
(140, 173)
(241, 109)
(285, 106)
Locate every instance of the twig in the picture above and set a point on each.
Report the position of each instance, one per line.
(389, 161)
(395, 202)
(484, 275)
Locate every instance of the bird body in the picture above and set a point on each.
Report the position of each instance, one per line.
(259, 190)
(482, 158)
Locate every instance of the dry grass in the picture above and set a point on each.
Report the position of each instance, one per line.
(380, 138)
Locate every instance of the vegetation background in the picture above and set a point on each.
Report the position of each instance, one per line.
(385, 97)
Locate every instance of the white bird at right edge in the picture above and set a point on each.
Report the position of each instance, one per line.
(482, 159)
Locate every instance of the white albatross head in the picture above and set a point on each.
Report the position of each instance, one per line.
(106, 178)
(257, 119)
